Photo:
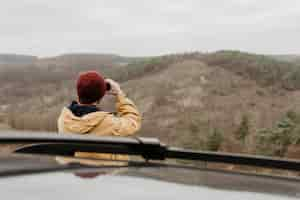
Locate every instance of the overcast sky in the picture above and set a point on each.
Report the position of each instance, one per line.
(140, 27)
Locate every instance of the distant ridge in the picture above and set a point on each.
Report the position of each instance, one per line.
(91, 60)
(287, 57)
(17, 59)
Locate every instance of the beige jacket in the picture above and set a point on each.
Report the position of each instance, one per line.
(125, 123)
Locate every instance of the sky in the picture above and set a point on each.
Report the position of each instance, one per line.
(143, 28)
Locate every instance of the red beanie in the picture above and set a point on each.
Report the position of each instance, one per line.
(91, 87)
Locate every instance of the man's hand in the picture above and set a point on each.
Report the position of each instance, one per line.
(115, 87)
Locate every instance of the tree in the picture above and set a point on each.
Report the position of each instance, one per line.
(275, 141)
(243, 130)
(214, 140)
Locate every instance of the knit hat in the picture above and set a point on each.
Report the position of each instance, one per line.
(91, 87)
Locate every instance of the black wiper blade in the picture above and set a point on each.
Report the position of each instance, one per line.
(148, 148)
(67, 145)
(25, 137)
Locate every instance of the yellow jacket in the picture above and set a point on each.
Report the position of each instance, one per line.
(126, 122)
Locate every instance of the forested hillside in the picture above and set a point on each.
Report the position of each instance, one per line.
(228, 100)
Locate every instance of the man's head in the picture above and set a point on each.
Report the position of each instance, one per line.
(91, 87)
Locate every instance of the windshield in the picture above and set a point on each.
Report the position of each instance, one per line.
(217, 76)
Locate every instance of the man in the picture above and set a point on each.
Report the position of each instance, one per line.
(84, 117)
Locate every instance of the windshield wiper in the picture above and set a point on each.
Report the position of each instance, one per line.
(148, 148)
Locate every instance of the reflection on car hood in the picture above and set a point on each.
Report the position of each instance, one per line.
(134, 179)
(69, 186)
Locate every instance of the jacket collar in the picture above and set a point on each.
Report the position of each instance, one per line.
(81, 110)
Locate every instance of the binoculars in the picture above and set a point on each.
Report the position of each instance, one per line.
(108, 86)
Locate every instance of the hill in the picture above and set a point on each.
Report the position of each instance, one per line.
(21, 81)
(215, 101)
(265, 70)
